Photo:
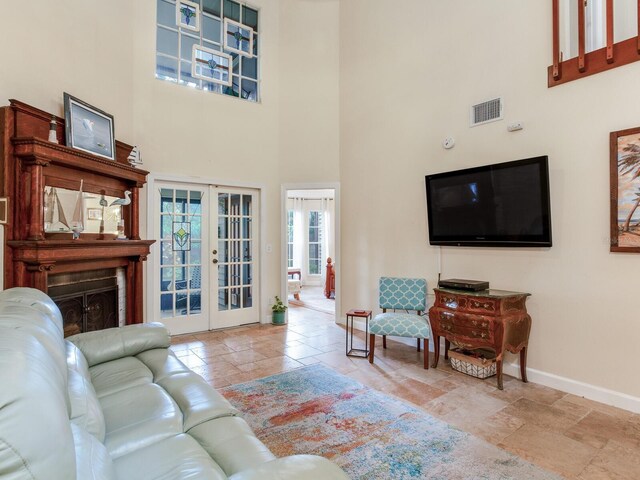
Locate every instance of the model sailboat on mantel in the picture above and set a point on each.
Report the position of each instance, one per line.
(77, 222)
(53, 211)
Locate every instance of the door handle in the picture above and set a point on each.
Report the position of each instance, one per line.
(215, 260)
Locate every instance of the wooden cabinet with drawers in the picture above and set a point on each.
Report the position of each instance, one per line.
(495, 319)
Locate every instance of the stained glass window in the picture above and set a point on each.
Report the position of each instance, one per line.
(188, 15)
(181, 236)
(238, 38)
(210, 45)
(212, 65)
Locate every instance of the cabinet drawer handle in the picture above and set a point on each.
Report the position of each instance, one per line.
(479, 334)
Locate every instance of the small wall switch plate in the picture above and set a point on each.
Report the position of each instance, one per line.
(448, 143)
(514, 127)
(268, 248)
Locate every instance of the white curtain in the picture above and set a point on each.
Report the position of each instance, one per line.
(298, 233)
(327, 235)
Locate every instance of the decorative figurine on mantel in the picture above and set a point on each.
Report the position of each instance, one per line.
(135, 157)
(53, 126)
(122, 201)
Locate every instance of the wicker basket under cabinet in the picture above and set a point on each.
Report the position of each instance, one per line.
(479, 363)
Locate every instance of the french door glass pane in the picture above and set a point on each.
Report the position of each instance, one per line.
(180, 275)
(235, 251)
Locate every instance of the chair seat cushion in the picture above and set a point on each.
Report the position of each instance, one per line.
(400, 325)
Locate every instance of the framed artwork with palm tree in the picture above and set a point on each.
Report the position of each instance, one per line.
(625, 190)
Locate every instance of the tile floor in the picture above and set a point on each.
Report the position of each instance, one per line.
(577, 438)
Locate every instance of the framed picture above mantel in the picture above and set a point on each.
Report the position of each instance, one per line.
(88, 128)
(625, 190)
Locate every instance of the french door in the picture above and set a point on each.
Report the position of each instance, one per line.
(205, 269)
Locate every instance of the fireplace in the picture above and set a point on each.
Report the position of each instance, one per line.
(37, 258)
(89, 300)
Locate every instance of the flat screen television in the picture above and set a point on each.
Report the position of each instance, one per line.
(501, 205)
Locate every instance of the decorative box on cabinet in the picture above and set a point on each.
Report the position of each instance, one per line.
(495, 319)
(29, 164)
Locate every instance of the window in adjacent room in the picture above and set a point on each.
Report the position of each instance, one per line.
(210, 45)
(290, 238)
(315, 243)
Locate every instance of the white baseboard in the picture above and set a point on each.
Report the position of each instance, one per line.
(564, 384)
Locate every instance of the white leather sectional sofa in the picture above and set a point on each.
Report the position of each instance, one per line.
(117, 404)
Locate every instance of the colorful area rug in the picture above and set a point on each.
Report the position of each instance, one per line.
(370, 435)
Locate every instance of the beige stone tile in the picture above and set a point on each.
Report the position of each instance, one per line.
(596, 429)
(597, 406)
(300, 351)
(268, 350)
(568, 406)
(531, 427)
(514, 390)
(216, 370)
(309, 360)
(271, 365)
(212, 350)
(430, 376)
(549, 449)
(616, 462)
(241, 357)
(414, 391)
(544, 416)
(493, 428)
(465, 399)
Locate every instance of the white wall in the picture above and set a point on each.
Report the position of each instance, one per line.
(104, 53)
(309, 91)
(74, 46)
(437, 62)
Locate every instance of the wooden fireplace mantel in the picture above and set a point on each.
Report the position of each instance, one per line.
(29, 164)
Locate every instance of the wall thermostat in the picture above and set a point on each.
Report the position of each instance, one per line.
(448, 143)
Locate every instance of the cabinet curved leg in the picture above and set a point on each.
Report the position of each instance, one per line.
(523, 364)
(447, 345)
(436, 350)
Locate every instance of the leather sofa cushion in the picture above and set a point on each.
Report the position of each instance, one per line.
(232, 444)
(298, 467)
(35, 323)
(163, 363)
(198, 401)
(113, 343)
(86, 411)
(85, 407)
(37, 300)
(118, 375)
(35, 433)
(92, 459)
(175, 458)
(138, 417)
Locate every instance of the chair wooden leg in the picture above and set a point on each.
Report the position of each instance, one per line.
(384, 341)
(372, 346)
(426, 354)
(418, 344)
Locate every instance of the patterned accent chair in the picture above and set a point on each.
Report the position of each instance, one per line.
(401, 294)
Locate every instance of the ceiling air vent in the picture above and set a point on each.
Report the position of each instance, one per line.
(486, 112)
